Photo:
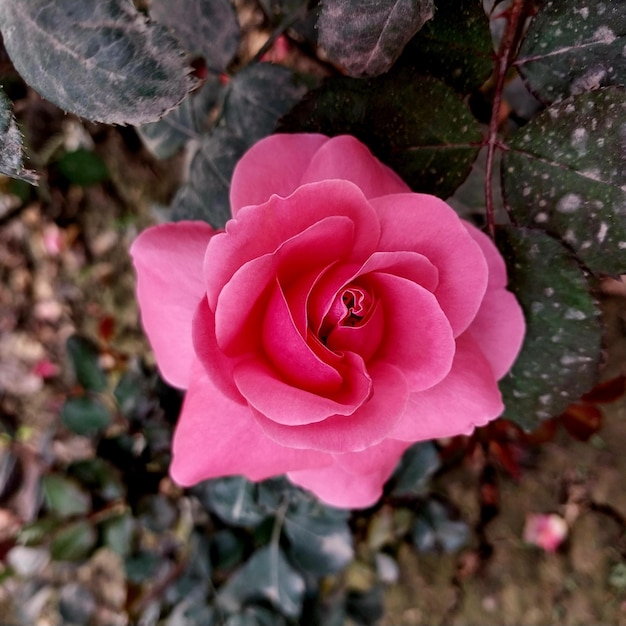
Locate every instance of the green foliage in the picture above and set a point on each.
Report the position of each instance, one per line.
(434, 530)
(84, 356)
(11, 144)
(415, 470)
(561, 351)
(573, 46)
(83, 167)
(431, 148)
(564, 173)
(85, 415)
(123, 69)
(367, 37)
(64, 497)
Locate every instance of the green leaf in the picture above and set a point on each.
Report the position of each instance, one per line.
(564, 172)
(573, 46)
(366, 37)
(257, 97)
(266, 575)
(11, 145)
(417, 467)
(85, 415)
(167, 136)
(455, 46)
(232, 499)
(118, 532)
(320, 538)
(207, 28)
(255, 616)
(73, 542)
(101, 60)
(64, 497)
(227, 549)
(561, 352)
(99, 477)
(84, 355)
(206, 195)
(83, 167)
(142, 566)
(434, 530)
(431, 147)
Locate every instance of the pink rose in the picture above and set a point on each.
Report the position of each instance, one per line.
(336, 320)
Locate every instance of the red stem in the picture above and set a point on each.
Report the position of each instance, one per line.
(504, 58)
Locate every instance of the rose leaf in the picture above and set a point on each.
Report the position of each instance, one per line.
(455, 46)
(206, 28)
(101, 60)
(561, 352)
(573, 46)
(165, 137)
(431, 147)
(367, 37)
(266, 575)
(320, 540)
(564, 172)
(254, 101)
(11, 145)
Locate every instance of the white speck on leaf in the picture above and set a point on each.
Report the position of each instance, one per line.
(604, 229)
(569, 203)
(573, 314)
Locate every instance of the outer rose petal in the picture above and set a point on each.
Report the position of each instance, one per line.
(499, 325)
(274, 165)
(466, 398)
(427, 225)
(168, 260)
(347, 158)
(356, 479)
(217, 437)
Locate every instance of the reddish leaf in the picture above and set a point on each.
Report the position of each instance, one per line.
(608, 391)
(582, 420)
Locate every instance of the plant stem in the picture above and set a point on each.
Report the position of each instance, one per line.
(504, 57)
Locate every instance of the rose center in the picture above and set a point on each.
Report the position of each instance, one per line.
(350, 308)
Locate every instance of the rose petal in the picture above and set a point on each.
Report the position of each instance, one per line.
(367, 426)
(216, 437)
(274, 165)
(499, 325)
(499, 329)
(356, 479)
(280, 402)
(218, 366)
(242, 302)
(427, 225)
(466, 398)
(168, 260)
(346, 158)
(418, 339)
(289, 353)
(263, 229)
(410, 265)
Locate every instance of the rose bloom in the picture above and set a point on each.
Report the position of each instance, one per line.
(336, 320)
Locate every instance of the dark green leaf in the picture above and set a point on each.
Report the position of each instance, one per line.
(416, 468)
(11, 471)
(233, 499)
(561, 352)
(101, 60)
(73, 542)
(64, 497)
(431, 147)
(434, 530)
(367, 36)
(206, 195)
(227, 549)
(142, 566)
(256, 616)
(167, 136)
(11, 145)
(118, 532)
(455, 46)
(34, 533)
(206, 28)
(257, 97)
(564, 172)
(83, 167)
(320, 538)
(85, 415)
(573, 46)
(267, 575)
(76, 604)
(366, 608)
(85, 356)
(99, 477)
(157, 513)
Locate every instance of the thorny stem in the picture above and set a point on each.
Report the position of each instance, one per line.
(504, 58)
